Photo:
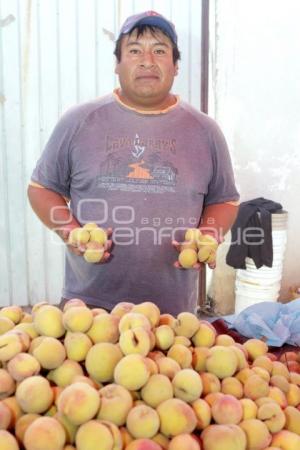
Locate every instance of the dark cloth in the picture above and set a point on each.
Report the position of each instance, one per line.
(251, 234)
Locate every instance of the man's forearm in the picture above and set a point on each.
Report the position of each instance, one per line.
(51, 208)
(217, 219)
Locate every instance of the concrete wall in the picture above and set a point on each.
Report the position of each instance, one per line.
(255, 97)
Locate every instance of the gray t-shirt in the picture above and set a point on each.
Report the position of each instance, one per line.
(148, 177)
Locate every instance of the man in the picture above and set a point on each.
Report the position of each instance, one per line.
(144, 163)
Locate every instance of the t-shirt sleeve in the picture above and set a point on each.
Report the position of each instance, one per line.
(222, 185)
(53, 168)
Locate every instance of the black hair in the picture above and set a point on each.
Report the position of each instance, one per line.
(141, 29)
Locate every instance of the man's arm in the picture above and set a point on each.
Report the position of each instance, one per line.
(217, 219)
(52, 209)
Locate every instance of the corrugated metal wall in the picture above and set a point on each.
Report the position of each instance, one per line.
(54, 54)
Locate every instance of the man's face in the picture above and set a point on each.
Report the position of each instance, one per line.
(146, 70)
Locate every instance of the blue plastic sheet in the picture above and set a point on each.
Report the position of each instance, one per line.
(276, 322)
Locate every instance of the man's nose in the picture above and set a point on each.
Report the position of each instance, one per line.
(147, 59)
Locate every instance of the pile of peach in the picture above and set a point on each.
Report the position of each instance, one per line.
(136, 379)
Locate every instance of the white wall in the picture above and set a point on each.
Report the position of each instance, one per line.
(256, 100)
(54, 54)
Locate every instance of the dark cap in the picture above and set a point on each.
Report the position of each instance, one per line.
(151, 18)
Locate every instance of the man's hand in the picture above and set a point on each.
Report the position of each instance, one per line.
(206, 248)
(78, 249)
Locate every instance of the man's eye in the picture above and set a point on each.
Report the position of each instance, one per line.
(160, 51)
(134, 51)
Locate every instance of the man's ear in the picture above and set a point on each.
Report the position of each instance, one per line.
(176, 69)
(117, 68)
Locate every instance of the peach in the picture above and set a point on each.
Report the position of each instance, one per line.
(183, 341)
(167, 319)
(132, 372)
(281, 382)
(10, 346)
(69, 427)
(176, 417)
(295, 378)
(62, 376)
(135, 340)
(258, 435)
(6, 324)
(34, 394)
(203, 413)
(286, 440)
(79, 402)
(15, 409)
(22, 366)
(27, 328)
(187, 258)
(250, 408)
(151, 365)
(184, 442)
(5, 416)
(8, 441)
(109, 354)
(157, 389)
(161, 440)
(168, 366)
(199, 356)
(243, 374)
(23, 423)
(227, 410)
(239, 353)
(232, 386)
(78, 318)
(115, 403)
(150, 310)
(210, 383)
(143, 444)
(187, 385)
(264, 362)
(180, 354)
(205, 336)
(255, 348)
(49, 352)
(105, 328)
(187, 324)
(224, 437)
(164, 337)
(255, 387)
(14, 313)
(272, 415)
(44, 433)
(7, 384)
(79, 236)
(126, 437)
(280, 369)
(132, 320)
(77, 345)
(94, 252)
(122, 308)
(293, 395)
(277, 395)
(26, 318)
(212, 397)
(263, 373)
(224, 339)
(292, 416)
(142, 422)
(222, 361)
(73, 302)
(48, 321)
(91, 433)
(98, 235)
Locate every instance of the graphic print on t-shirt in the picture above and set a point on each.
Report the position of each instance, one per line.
(138, 165)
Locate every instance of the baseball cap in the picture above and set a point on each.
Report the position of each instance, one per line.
(150, 18)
